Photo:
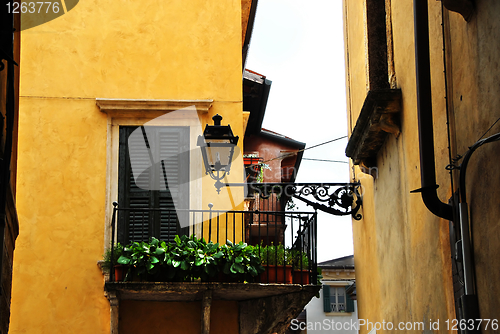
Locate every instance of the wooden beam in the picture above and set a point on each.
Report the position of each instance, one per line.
(206, 304)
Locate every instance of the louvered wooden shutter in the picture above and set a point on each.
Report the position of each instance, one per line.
(135, 194)
(327, 306)
(349, 304)
(174, 144)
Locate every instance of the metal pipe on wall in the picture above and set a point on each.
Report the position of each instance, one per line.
(424, 110)
(427, 162)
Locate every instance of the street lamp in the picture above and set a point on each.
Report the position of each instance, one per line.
(217, 148)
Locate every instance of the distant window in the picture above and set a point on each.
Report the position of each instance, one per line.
(335, 299)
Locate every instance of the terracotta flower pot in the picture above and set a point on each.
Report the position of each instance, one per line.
(276, 274)
(301, 276)
(119, 270)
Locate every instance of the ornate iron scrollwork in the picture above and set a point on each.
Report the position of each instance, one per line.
(340, 199)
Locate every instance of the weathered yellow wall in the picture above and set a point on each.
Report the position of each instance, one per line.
(128, 49)
(474, 70)
(177, 317)
(101, 49)
(402, 251)
(62, 164)
(357, 76)
(364, 237)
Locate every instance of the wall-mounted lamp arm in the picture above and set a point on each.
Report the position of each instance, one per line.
(339, 199)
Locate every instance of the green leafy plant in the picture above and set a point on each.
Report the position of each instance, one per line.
(143, 258)
(319, 277)
(240, 261)
(193, 258)
(298, 259)
(117, 252)
(260, 176)
(189, 258)
(273, 254)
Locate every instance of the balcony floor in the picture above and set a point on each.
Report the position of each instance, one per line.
(193, 291)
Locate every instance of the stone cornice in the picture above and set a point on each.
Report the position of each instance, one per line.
(378, 117)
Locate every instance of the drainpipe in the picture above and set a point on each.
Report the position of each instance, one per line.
(424, 110)
(469, 304)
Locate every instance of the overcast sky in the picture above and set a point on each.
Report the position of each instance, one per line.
(299, 46)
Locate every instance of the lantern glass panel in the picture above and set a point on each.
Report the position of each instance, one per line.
(219, 154)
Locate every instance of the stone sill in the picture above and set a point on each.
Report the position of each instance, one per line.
(378, 117)
(335, 314)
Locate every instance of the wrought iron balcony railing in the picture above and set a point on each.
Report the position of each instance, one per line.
(284, 241)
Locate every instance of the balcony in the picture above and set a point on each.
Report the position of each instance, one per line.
(285, 242)
(267, 302)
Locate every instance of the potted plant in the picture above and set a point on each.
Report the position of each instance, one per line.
(300, 264)
(240, 262)
(251, 162)
(252, 170)
(192, 258)
(188, 259)
(143, 259)
(118, 268)
(277, 264)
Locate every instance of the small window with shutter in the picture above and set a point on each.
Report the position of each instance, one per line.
(335, 299)
(161, 181)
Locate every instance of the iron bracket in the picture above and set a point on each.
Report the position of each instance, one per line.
(339, 199)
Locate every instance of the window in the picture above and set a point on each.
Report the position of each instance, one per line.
(335, 299)
(123, 113)
(152, 174)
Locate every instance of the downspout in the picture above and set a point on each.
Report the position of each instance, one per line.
(469, 302)
(424, 110)
(431, 200)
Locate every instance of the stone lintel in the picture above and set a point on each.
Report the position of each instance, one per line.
(136, 107)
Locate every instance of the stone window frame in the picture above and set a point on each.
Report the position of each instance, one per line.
(136, 112)
(338, 284)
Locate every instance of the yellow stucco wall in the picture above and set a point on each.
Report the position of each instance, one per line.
(402, 251)
(101, 49)
(474, 69)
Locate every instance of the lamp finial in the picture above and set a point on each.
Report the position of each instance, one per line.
(217, 118)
